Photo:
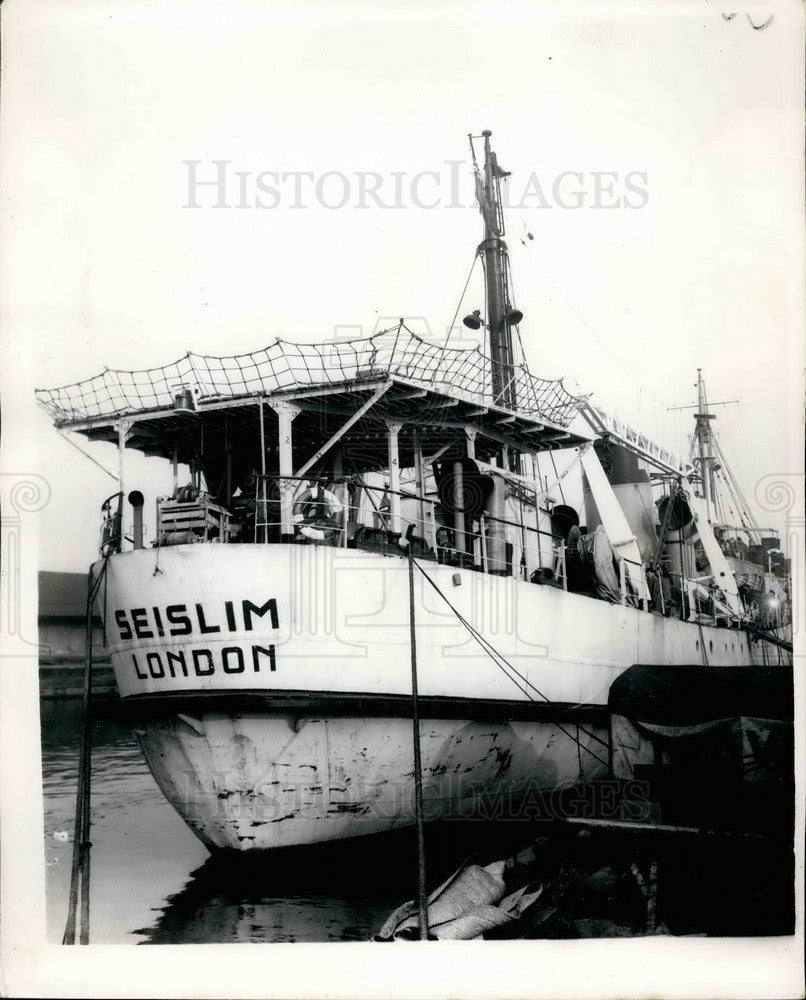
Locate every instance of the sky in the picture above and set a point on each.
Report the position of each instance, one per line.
(693, 119)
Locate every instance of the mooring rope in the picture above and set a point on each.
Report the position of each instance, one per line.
(80, 867)
(505, 665)
(422, 896)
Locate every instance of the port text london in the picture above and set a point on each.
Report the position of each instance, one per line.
(180, 620)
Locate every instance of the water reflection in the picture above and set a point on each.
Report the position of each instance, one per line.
(232, 904)
(334, 892)
(141, 850)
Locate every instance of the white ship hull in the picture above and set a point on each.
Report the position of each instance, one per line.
(270, 686)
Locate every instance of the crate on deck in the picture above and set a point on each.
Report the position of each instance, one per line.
(191, 515)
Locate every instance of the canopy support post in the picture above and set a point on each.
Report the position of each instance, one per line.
(458, 502)
(393, 430)
(286, 412)
(419, 483)
(471, 433)
(261, 514)
(124, 429)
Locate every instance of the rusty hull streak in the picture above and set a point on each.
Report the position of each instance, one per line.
(357, 808)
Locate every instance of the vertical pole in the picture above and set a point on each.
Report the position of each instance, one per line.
(471, 433)
(703, 432)
(228, 459)
(285, 415)
(496, 529)
(200, 463)
(378, 521)
(458, 501)
(262, 439)
(393, 430)
(341, 491)
(123, 433)
(286, 469)
(483, 540)
(476, 542)
(356, 495)
(494, 263)
(419, 483)
(524, 560)
(422, 898)
(80, 868)
(261, 515)
(538, 536)
(175, 468)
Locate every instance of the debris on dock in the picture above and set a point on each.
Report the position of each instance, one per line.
(473, 901)
(589, 881)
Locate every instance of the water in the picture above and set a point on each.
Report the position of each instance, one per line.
(154, 882)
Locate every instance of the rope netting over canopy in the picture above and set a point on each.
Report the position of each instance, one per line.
(284, 365)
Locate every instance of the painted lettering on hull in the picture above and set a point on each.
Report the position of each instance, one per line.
(201, 662)
(178, 620)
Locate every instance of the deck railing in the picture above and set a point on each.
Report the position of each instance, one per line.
(362, 525)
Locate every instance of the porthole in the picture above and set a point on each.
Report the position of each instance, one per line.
(697, 645)
(711, 645)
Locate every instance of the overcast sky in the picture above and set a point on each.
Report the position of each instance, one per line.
(105, 264)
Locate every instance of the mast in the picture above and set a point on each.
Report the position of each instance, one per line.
(702, 433)
(501, 317)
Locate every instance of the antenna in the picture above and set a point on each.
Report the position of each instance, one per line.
(694, 406)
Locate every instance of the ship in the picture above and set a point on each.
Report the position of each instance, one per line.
(363, 533)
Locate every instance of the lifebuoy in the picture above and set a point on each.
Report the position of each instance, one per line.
(315, 514)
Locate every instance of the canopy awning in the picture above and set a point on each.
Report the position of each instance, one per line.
(433, 391)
